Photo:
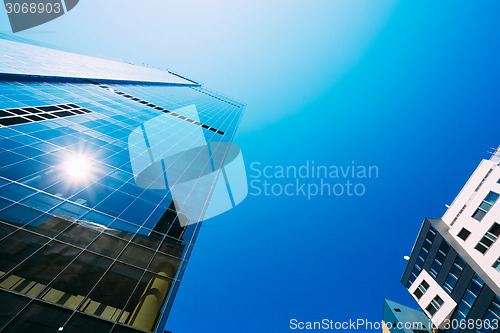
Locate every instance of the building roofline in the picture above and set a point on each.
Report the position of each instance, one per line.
(8, 77)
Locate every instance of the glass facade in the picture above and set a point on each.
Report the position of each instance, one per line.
(491, 318)
(454, 274)
(439, 258)
(467, 302)
(84, 247)
(429, 238)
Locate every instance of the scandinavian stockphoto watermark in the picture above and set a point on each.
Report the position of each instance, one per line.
(310, 179)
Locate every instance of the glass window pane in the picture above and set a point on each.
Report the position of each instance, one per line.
(78, 235)
(463, 234)
(152, 241)
(142, 311)
(10, 305)
(77, 280)
(17, 247)
(20, 214)
(5, 229)
(485, 206)
(491, 197)
(171, 247)
(40, 318)
(16, 192)
(113, 291)
(122, 329)
(479, 214)
(136, 255)
(35, 273)
(84, 324)
(496, 265)
(41, 201)
(48, 225)
(108, 246)
(164, 265)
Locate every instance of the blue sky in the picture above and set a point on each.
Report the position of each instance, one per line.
(410, 87)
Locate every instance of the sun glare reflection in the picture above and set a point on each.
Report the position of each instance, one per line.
(78, 167)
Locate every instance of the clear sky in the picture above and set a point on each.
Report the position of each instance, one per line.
(410, 87)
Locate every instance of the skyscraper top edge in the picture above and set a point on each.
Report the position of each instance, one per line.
(23, 57)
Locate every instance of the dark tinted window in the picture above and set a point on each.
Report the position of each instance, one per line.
(86, 324)
(463, 234)
(108, 245)
(17, 247)
(39, 318)
(77, 280)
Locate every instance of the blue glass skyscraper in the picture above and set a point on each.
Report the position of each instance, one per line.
(105, 169)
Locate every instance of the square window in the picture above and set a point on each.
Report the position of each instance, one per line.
(491, 197)
(421, 289)
(479, 214)
(496, 265)
(463, 234)
(434, 305)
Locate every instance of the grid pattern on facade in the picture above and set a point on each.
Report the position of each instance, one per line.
(39, 113)
(126, 239)
(422, 255)
(468, 300)
(454, 274)
(491, 318)
(156, 107)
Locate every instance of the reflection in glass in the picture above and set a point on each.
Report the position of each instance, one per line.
(112, 292)
(136, 255)
(77, 167)
(145, 304)
(17, 247)
(40, 318)
(108, 246)
(10, 305)
(32, 276)
(76, 281)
